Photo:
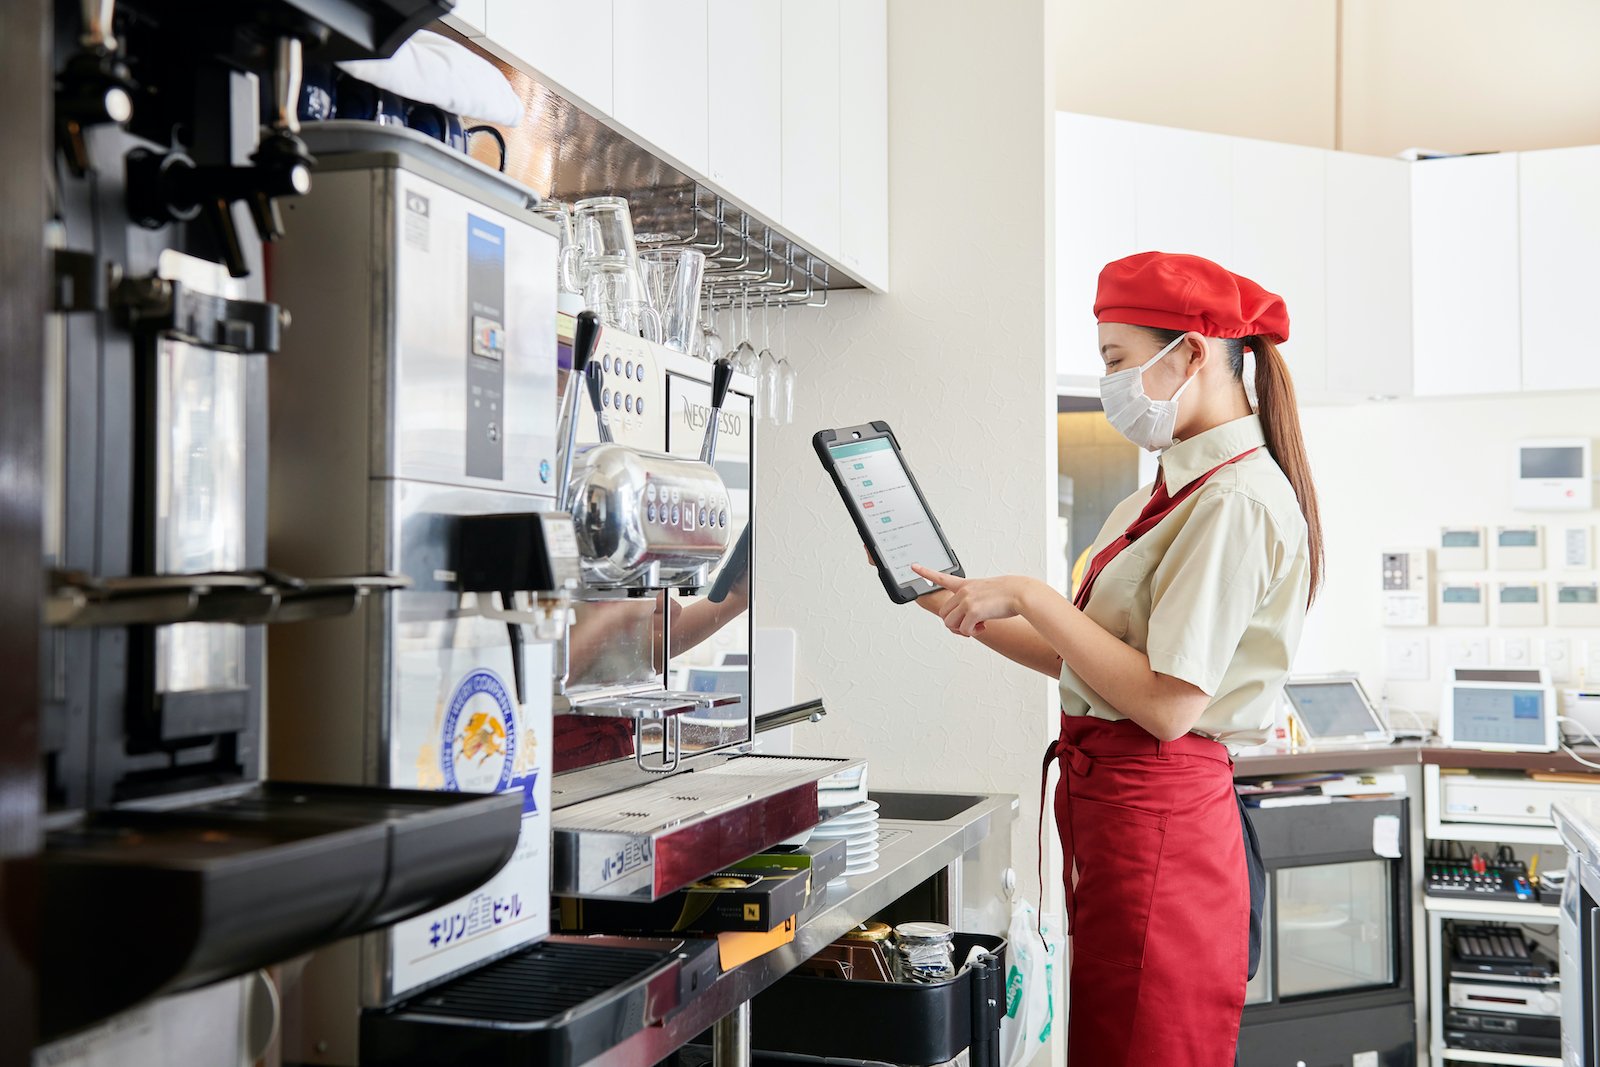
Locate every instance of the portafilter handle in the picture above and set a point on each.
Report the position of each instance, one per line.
(585, 337)
(721, 378)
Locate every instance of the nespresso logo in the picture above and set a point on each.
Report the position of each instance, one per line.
(695, 415)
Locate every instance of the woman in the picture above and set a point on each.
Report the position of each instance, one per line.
(1175, 647)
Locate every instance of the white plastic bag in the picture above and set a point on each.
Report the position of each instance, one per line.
(1030, 974)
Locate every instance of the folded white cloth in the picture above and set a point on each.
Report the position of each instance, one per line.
(436, 70)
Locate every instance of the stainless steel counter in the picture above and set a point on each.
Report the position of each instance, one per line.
(913, 850)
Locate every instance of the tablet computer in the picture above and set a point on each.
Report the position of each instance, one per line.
(888, 507)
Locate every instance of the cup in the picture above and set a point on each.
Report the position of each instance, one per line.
(672, 279)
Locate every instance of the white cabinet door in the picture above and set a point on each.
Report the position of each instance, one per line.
(1280, 242)
(746, 101)
(1464, 276)
(659, 73)
(568, 42)
(864, 140)
(1183, 181)
(811, 122)
(468, 17)
(1369, 276)
(1095, 224)
(1560, 198)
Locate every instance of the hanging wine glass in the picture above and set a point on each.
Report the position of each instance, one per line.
(767, 376)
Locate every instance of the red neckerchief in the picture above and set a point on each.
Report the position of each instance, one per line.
(1158, 507)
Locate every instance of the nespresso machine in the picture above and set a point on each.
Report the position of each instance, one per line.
(170, 862)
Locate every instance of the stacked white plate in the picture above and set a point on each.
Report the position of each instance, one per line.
(858, 828)
(846, 787)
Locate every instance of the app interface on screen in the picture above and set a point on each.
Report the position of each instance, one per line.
(902, 533)
(1503, 716)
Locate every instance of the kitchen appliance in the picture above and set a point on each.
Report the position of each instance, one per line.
(565, 559)
(170, 861)
(434, 420)
(1335, 981)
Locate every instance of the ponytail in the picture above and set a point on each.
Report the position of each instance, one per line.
(1280, 423)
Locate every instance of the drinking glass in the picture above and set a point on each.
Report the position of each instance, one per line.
(767, 372)
(672, 282)
(608, 266)
(744, 355)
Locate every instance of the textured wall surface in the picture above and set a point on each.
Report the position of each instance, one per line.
(958, 358)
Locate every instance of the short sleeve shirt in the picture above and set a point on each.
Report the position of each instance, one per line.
(1215, 593)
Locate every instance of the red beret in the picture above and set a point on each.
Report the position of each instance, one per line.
(1176, 292)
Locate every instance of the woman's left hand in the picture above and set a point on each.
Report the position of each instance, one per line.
(975, 601)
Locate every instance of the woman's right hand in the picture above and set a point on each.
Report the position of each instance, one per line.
(932, 602)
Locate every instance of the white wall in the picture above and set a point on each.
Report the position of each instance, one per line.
(1390, 475)
(959, 358)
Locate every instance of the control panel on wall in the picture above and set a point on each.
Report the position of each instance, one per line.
(1406, 599)
(1463, 548)
(1520, 604)
(1519, 548)
(1553, 474)
(1577, 548)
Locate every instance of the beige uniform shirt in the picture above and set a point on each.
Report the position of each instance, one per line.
(1215, 594)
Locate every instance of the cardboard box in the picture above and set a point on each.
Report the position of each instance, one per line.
(751, 899)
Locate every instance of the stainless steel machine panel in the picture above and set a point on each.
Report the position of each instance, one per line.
(473, 289)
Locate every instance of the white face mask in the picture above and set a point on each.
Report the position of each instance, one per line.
(1147, 423)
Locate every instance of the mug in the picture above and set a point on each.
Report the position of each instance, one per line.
(437, 123)
(318, 93)
(356, 99)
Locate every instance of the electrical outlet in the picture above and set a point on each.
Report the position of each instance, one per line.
(1406, 659)
(1516, 651)
(1466, 652)
(1558, 659)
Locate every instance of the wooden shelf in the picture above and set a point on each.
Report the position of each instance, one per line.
(1498, 910)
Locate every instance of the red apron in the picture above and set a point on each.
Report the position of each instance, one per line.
(1160, 910)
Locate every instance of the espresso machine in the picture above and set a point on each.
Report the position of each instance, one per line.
(171, 860)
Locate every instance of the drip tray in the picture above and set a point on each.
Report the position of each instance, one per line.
(644, 842)
(558, 1003)
(185, 895)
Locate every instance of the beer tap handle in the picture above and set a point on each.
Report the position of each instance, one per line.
(721, 378)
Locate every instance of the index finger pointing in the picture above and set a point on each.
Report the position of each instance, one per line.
(944, 581)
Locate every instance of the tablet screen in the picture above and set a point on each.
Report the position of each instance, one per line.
(902, 532)
(1331, 709)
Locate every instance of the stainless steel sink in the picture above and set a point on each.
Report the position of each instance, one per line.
(923, 807)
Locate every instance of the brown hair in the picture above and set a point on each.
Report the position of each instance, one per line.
(1280, 424)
